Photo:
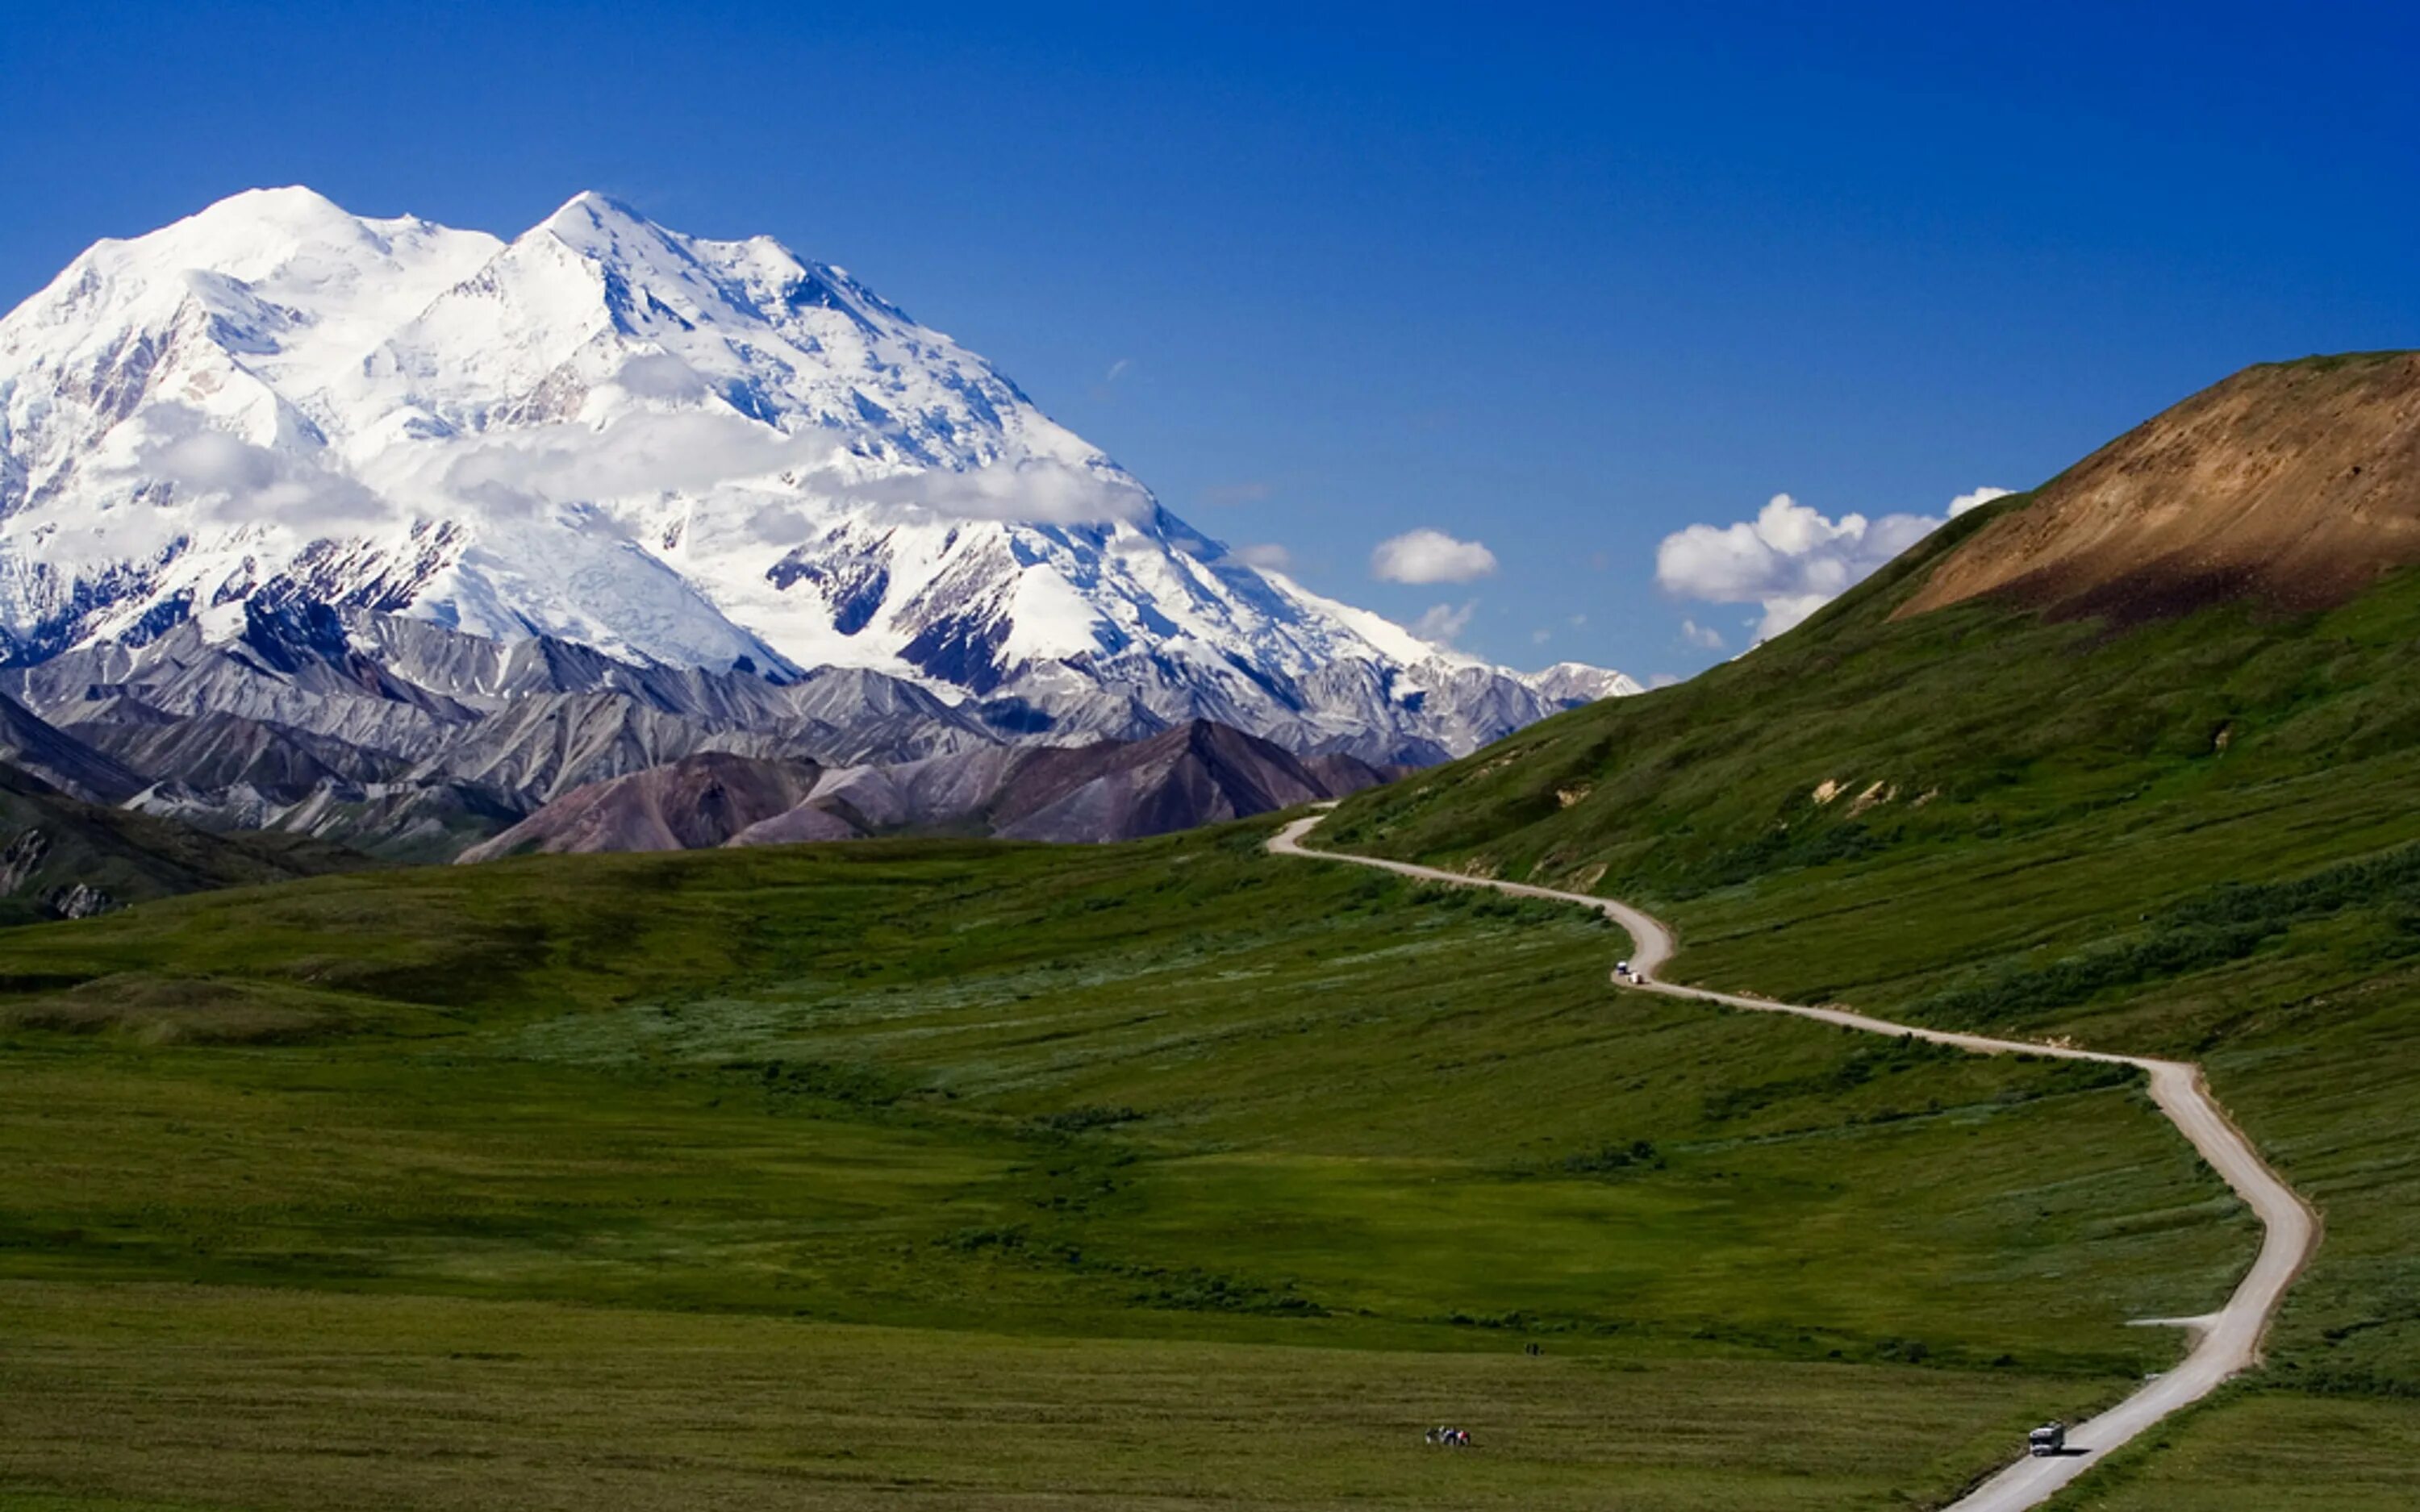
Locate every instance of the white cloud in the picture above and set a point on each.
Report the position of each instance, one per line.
(1030, 491)
(1977, 500)
(1704, 637)
(1442, 623)
(637, 454)
(239, 483)
(689, 452)
(1117, 370)
(1266, 554)
(659, 376)
(648, 452)
(1790, 561)
(1427, 556)
(1539, 635)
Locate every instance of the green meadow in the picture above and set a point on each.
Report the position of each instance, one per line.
(967, 1175)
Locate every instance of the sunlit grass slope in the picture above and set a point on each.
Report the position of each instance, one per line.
(2190, 837)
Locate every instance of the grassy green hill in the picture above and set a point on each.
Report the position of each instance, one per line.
(963, 1175)
(2192, 836)
(131, 856)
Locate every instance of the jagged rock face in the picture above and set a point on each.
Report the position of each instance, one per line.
(20, 859)
(81, 900)
(412, 740)
(417, 770)
(23, 857)
(669, 455)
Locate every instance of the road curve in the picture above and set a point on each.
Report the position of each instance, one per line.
(2227, 1341)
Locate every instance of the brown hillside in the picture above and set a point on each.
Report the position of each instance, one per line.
(695, 802)
(2294, 483)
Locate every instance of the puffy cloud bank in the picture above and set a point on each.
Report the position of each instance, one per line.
(1028, 490)
(240, 482)
(688, 450)
(1427, 556)
(647, 452)
(521, 472)
(1791, 560)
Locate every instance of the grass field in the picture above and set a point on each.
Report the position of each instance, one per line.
(204, 1397)
(958, 1175)
(2256, 1450)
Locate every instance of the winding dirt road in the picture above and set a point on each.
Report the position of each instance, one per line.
(2224, 1342)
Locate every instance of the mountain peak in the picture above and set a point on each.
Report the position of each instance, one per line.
(258, 228)
(278, 202)
(606, 231)
(675, 451)
(254, 228)
(592, 210)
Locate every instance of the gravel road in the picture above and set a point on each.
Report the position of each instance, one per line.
(2223, 1342)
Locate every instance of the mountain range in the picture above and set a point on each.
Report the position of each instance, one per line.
(392, 532)
(1196, 774)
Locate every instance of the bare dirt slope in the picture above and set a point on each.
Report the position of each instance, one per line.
(2291, 483)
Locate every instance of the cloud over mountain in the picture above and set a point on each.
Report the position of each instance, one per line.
(1028, 490)
(1791, 560)
(1430, 556)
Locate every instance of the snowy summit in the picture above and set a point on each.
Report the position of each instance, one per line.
(680, 453)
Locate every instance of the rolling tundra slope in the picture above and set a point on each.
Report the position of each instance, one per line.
(1214, 1178)
(2101, 761)
(2223, 1343)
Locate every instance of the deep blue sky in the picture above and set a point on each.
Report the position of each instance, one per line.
(1561, 286)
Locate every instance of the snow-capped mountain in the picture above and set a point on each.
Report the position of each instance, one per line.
(677, 451)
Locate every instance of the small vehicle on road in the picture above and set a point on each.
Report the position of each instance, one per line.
(2049, 1439)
